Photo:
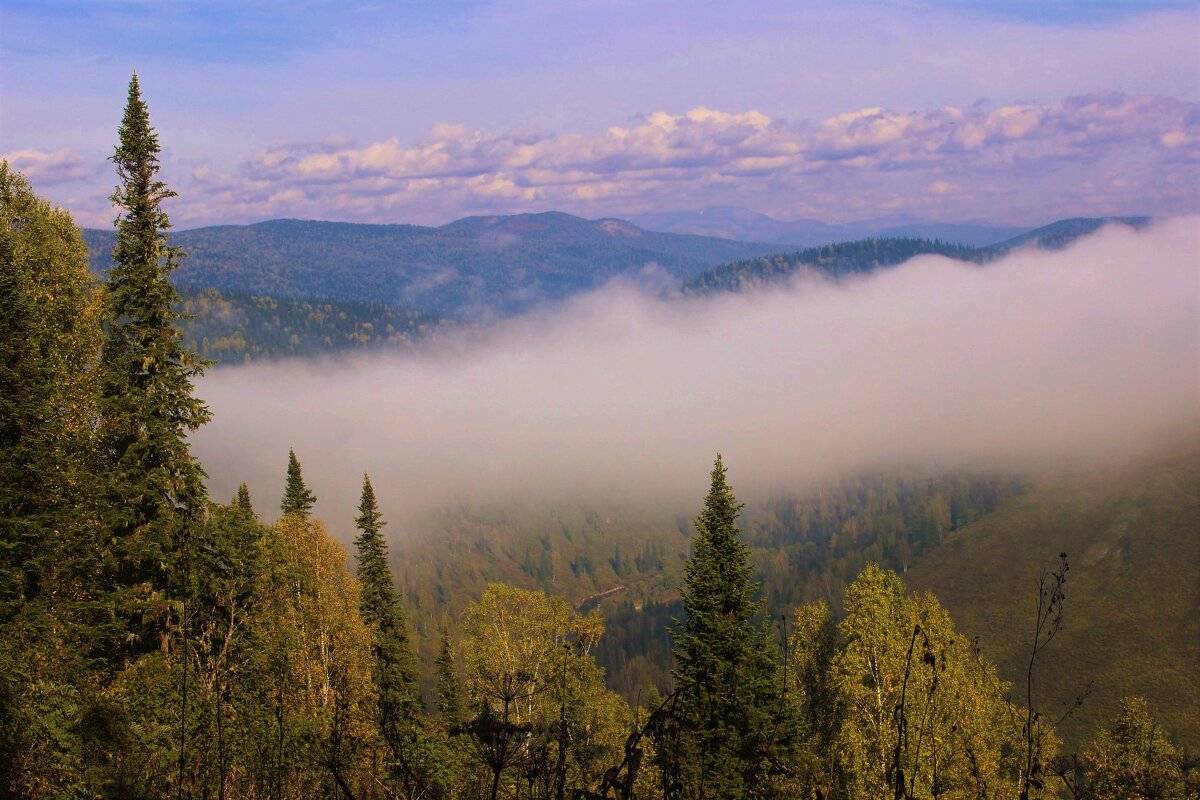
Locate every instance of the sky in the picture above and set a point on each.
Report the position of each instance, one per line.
(1008, 112)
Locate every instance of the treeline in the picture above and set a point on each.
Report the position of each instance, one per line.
(235, 328)
(866, 255)
(832, 260)
(156, 643)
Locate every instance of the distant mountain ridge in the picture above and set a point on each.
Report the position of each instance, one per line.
(477, 267)
(732, 222)
(289, 288)
(866, 255)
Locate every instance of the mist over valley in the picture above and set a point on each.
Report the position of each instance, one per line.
(544, 401)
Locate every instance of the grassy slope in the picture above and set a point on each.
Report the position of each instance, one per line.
(1132, 623)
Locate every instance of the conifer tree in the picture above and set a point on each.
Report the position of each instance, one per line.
(731, 723)
(155, 489)
(449, 691)
(241, 501)
(395, 670)
(297, 498)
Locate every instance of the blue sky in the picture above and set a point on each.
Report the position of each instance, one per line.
(425, 111)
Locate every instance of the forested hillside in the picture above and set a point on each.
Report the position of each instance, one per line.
(1132, 619)
(831, 260)
(477, 267)
(863, 256)
(804, 547)
(236, 328)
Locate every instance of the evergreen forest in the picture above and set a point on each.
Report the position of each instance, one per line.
(158, 642)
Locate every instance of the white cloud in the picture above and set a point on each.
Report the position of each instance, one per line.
(48, 169)
(878, 158)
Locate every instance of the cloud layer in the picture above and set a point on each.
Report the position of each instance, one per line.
(1140, 152)
(1095, 154)
(1088, 353)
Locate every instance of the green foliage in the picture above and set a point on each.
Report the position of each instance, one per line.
(242, 499)
(919, 714)
(1133, 759)
(449, 690)
(297, 498)
(155, 489)
(543, 717)
(49, 327)
(733, 729)
(1130, 626)
(395, 669)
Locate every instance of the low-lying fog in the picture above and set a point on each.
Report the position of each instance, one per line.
(1086, 353)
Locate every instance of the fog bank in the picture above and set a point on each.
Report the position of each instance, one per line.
(1086, 353)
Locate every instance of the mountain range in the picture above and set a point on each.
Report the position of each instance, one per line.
(478, 267)
(481, 268)
(732, 222)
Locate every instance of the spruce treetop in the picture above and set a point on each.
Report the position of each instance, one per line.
(242, 500)
(369, 519)
(718, 576)
(297, 498)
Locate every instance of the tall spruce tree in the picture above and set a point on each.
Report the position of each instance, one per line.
(155, 488)
(732, 728)
(297, 498)
(449, 690)
(395, 672)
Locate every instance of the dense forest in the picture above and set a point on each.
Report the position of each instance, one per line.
(474, 268)
(155, 642)
(235, 328)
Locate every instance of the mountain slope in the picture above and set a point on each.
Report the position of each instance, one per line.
(1132, 620)
(866, 255)
(1058, 235)
(475, 267)
(833, 260)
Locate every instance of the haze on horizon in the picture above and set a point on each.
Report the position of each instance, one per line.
(1008, 112)
(1080, 356)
